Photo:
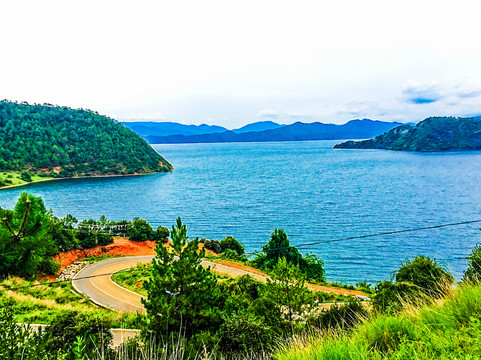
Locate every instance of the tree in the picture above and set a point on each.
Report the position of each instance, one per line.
(314, 268)
(286, 288)
(162, 234)
(181, 294)
(139, 230)
(278, 247)
(473, 272)
(25, 246)
(232, 243)
(425, 273)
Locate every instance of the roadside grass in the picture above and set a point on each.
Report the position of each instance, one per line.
(35, 302)
(133, 278)
(443, 329)
(93, 259)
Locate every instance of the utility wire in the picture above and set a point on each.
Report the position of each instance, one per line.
(372, 235)
(302, 245)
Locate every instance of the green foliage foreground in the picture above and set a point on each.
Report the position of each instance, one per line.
(447, 329)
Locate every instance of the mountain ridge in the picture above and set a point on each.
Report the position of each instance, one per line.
(298, 131)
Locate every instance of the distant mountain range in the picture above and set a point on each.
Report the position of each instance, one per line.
(431, 134)
(171, 133)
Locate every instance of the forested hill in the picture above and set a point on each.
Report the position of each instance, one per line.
(56, 141)
(431, 134)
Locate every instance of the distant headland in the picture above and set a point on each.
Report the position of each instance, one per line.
(431, 134)
(43, 142)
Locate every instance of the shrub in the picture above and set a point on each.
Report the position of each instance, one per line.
(425, 273)
(65, 330)
(139, 230)
(231, 243)
(230, 255)
(313, 268)
(473, 272)
(385, 334)
(245, 332)
(25, 176)
(213, 245)
(341, 316)
(162, 234)
(390, 297)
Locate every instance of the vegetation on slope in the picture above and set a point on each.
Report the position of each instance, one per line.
(431, 134)
(53, 141)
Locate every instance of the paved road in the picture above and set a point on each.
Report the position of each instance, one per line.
(119, 335)
(104, 292)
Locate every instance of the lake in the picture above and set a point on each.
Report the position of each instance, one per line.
(313, 192)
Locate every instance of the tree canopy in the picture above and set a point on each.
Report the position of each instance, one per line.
(61, 142)
(182, 295)
(26, 246)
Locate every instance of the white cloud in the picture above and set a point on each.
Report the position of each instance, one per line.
(142, 117)
(234, 62)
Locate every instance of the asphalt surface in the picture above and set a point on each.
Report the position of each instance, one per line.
(101, 290)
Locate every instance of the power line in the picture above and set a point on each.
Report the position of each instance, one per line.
(300, 245)
(372, 235)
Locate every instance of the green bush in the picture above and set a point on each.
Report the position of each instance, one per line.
(162, 234)
(232, 243)
(245, 332)
(343, 316)
(473, 272)
(230, 254)
(313, 268)
(140, 230)
(25, 176)
(213, 245)
(390, 297)
(385, 334)
(425, 273)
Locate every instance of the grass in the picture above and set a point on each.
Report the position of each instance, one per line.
(445, 329)
(35, 302)
(133, 278)
(93, 259)
(12, 178)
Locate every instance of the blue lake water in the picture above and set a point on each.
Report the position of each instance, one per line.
(313, 192)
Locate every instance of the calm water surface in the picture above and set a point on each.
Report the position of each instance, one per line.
(313, 192)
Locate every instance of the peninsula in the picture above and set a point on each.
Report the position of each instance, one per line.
(41, 142)
(431, 134)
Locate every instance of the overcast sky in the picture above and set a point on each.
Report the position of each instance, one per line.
(234, 62)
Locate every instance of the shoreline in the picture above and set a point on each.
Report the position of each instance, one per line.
(80, 177)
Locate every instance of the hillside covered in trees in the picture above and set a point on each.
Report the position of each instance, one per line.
(54, 141)
(431, 134)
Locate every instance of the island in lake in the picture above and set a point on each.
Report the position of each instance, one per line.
(431, 134)
(41, 142)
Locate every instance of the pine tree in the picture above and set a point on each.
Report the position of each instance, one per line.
(25, 246)
(286, 288)
(182, 295)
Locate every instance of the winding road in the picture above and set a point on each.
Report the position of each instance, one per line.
(95, 281)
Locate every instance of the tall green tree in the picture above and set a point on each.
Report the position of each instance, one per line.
(278, 247)
(286, 287)
(181, 294)
(25, 245)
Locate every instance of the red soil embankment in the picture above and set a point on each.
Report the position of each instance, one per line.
(120, 247)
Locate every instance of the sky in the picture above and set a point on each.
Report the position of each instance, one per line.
(230, 63)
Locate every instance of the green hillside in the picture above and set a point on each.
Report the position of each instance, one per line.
(431, 134)
(47, 141)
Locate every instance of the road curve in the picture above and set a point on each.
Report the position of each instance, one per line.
(101, 290)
